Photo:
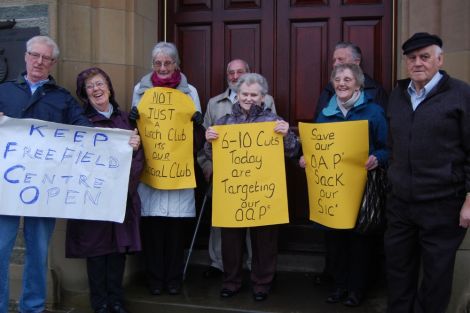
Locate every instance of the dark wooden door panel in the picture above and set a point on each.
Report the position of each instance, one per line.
(290, 42)
(223, 30)
(194, 46)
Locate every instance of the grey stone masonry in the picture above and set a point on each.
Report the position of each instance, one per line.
(36, 15)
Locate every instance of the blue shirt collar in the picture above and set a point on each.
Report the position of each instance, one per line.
(34, 86)
(416, 98)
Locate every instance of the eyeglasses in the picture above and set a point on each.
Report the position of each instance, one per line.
(36, 56)
(159, 64)
(99, 84)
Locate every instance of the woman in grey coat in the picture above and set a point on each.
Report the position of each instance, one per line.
(164, 211)
(251, 90)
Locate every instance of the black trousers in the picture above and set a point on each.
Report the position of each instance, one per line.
(163, 248)
(105, 275)
(350, 256)
(264, 256)
(425, 234)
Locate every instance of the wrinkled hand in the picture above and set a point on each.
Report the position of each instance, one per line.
(372, 162)
(134, 114)
(211, 134)
(302, 163)
(465, 213)
(282, 127)
(134, 141)
(197, 118)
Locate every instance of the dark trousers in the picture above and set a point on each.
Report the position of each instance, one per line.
(423, 234)
(350, 255)
(105, 275)
(264, 256)
(163, 248)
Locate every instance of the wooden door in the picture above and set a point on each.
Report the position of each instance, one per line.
(291, 43)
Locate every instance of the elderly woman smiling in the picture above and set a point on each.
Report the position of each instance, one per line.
(164, 212)
(105, 244)
(350, 251)
(251, 90)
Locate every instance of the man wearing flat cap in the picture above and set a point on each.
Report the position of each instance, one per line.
(428, 208)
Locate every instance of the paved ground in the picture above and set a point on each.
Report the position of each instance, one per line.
(293, 292)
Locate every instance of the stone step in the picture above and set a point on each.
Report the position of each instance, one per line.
(291, 292)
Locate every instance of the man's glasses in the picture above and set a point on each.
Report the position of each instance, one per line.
(99, 84)
(36, 56)
(159, 64)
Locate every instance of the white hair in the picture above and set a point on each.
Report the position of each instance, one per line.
(46, 41)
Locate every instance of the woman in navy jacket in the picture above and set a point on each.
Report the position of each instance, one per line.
(351, 252)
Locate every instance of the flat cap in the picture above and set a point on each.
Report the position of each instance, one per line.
(420, 40)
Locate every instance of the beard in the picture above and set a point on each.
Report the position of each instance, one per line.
(232, 86)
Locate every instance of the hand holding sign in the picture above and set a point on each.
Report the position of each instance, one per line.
(249, 175)
(211, 134)
(335, 170)
(134, 141)
(282, 127)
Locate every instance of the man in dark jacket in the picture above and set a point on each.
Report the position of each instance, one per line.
(33, 95)
(428, 208)
(346, 53)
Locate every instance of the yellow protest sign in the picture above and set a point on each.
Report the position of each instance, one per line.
(335, 156)
(249, 182)
(166, 131)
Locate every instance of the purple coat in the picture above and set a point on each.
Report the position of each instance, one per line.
(95, 238)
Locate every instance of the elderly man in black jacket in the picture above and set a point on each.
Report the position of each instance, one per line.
(428, 208)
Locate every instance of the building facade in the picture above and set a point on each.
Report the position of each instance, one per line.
(118, 36)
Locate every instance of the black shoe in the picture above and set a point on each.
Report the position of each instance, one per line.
(260, 296)
(337, 296)
(117, 308)
(322, 279)
(354, 299)
(212, 272)
(174, 290)
(156, 291)
(227, 293)
(101, 309)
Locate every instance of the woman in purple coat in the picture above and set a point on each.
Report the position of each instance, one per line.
(105, 244)
(251, 91)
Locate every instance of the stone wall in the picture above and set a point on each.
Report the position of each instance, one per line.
(116, 35)
(450, 19)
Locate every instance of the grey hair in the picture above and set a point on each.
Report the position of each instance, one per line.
(247, 67)
(354, 68)
(253, 78)
(438, 50)
(355, 50)
(166, 48)
(48, 41)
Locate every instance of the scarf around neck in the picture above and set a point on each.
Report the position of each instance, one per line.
(171, 82)
(348, 104)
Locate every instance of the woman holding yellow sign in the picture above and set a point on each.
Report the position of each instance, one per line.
(350, 250)
(164, 211)
(251, 90)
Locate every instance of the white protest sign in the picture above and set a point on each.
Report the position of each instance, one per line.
(56, 170)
